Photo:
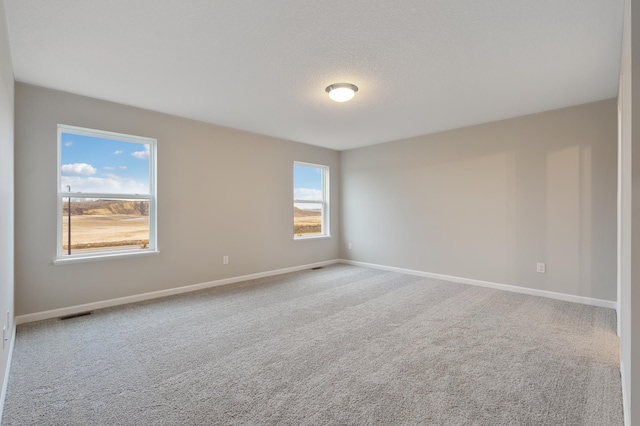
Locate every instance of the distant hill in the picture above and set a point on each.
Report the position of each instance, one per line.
(107, 207)
(305, 213)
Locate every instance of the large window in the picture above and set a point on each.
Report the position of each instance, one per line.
(106, 194)
(310, 200)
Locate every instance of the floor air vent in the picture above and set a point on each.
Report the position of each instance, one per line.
(79, 314)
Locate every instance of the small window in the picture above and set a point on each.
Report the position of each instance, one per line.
(310, 200)
(106, 193)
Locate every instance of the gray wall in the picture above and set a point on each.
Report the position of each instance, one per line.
(220, 192)
(6, 185)
(488, 202)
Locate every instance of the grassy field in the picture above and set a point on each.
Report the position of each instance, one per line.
(94, 232)
(307, 222)
(100, 225)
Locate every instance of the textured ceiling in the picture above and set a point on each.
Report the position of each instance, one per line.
(422, 65)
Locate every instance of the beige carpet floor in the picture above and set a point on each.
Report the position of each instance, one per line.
(342, 345)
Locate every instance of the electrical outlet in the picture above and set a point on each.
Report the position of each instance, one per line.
(4, 336)
(541, 268)
(225, 260)
(349, 246)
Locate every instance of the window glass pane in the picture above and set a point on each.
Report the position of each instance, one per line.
(307, 183)
(106, 192)
(307, 219)
(104, 225)
(98, 165)
(309, 202)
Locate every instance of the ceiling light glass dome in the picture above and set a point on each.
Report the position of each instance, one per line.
(341, 92)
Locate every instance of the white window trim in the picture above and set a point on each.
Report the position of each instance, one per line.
(324, 202)
(105, 256)
(61, 257)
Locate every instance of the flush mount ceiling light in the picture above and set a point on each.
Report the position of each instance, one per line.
(341, 92)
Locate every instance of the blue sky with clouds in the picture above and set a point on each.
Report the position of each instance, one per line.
(307, 185)
(91, 164)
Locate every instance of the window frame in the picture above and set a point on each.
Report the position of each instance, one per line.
(324, 202)
(151, 197)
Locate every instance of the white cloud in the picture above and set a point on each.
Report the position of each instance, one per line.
(141, 155)
(68, 143)
(109, 168)
(307, 194)
(118, 152)
(122, 167)
(78, 169)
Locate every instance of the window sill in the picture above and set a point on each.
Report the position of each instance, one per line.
(99, 257)
(311, 237)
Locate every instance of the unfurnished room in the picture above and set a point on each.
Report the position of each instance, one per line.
(319, 213)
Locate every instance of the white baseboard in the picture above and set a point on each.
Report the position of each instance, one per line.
(55, 313)
(506, 287)
(5, 383)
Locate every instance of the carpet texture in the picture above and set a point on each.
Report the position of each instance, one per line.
(342, 345)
